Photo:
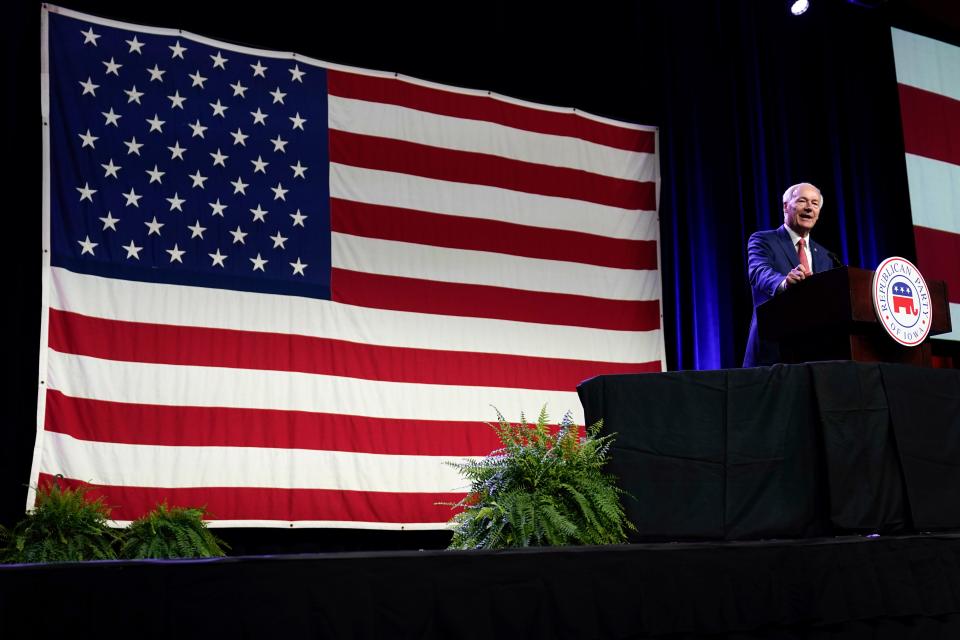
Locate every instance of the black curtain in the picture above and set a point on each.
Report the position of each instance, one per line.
(755, 100)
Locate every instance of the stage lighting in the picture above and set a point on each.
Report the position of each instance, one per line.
(799, 6)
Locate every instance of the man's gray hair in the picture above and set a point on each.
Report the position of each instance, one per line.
(792, 191)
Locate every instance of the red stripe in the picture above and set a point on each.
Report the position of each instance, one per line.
(385, 154)
(289, 505)
(458, 232)
(931, 124)
(448, 103)
(937, 258)
(146, 424)
(206, 347)
(482, 301)
(174, 426)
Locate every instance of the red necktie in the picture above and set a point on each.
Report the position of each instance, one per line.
(803, 255)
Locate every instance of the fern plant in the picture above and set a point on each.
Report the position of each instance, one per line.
(171, 533)
(540, 488)
(64, 526)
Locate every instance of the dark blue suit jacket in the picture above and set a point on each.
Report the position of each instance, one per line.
(770, 256)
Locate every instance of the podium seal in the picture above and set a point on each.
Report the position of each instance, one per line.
(901, 301)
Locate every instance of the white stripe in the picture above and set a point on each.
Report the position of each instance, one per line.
(489, 203)
(926, 63)
(181, 385)
(955, 319)
(133, 465)
(478, 136)
(934, 193)
(45, 289)
(408, 260)
(243, 311)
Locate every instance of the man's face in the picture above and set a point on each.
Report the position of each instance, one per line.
(801, 211)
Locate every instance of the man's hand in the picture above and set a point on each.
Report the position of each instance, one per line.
(796, 274)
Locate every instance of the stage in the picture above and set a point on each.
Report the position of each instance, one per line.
(844, 587)
(795, 501)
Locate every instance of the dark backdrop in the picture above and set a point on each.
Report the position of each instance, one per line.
(748, 100)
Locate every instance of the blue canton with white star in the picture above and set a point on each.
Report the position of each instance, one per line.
(174, 161)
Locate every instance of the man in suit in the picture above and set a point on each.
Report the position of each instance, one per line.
(779, 259)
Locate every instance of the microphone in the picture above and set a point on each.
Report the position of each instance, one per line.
(836, 260)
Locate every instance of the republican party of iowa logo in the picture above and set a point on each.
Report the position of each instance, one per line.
(901, 301)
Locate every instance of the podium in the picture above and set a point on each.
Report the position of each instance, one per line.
(830, 316)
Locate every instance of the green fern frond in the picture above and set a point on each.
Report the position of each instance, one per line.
(543, 486)
(65, 525)
(166, 532)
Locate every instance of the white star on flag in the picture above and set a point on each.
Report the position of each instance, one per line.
(219, 159)
(176, 100)
(176, 202)
(218, 259)
(298, 267)
(298, 121)
(217, 208)
(86, 193)
(259, 214)
(154, 226)
(133, 147)
(110, 169)
(135, 45)
(132, 198)
(197, 230)
(239, 186)
(87, 246)
(155, 175)
(134, 95)
(112, 118)
(198, 180)
(133, 251)
(156, 73)
(112, 67)
(259, 263)
(178, 51)
(176, 253)
(109, 222)
(89, 87)
(88, 140)
(298, 218)
(89, 37)
(176, 151)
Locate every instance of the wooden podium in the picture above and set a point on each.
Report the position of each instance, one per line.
(829, 316)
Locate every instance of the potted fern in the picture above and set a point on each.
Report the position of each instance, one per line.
(165, 532)
(542, 487)
(64, 526)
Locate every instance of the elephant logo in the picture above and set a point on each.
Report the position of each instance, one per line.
(902, 299)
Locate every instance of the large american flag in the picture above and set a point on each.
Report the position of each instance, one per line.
(291, 291)
(928, 77)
